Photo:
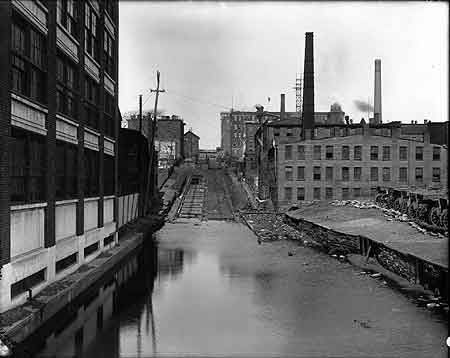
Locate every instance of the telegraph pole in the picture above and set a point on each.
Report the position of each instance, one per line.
(140, 114)
(152, 125)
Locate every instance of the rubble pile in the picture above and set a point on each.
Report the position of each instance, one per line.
(270, 226)
(390, 215)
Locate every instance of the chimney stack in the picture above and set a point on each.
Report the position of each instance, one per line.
(308, 89)
(282, 108)
(377, 95)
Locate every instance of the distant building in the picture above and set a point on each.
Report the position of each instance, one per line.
(345, 161)
(233, 126)
(191, 145)
(169, 139)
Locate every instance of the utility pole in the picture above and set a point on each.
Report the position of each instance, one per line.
(140, 114)
(152, 125)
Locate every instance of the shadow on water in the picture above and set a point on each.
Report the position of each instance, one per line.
(109, 306)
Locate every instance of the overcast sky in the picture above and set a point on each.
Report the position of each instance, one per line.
(213, 53)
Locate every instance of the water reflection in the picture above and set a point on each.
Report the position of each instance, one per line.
(211, 289)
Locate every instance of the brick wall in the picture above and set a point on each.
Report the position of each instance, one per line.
(171, 130)
(365, 184)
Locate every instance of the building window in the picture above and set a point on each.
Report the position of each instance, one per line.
(386, 152)
(91, 32)
(374, 174)
(27, 162)
(345, 152)
(28, 282)
(329, 173)
(108, 176)
(288, 173)
(356, 192)
(373, 191)
(67, 16)
(28, 61)
(66, 86)
(357, 152)
(403, 154)
(91, 173)
(374, 152)
(289, 132)
(108, 118)
(329, 152)
(301, 152)
(419, 175)
(66, 170)
(316, 173)
(300, 173)
(276, 133)
(316, 193)
(328, 193)
(288, 152)
(419, 153)
(91, 107)
(345, 174)
(300, 194)
(436, 175)
(108, 48)
(288, 193)
(345, 193)
(403, 174)
(317, 152)
(386, 174)
(357, 173)
(436, 153)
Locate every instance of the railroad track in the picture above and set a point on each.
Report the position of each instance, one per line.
(192, 203)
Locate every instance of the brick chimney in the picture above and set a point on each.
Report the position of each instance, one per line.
(282, 108)
(308, 89)
(377, 94)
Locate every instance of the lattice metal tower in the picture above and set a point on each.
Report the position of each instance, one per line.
(298, 94)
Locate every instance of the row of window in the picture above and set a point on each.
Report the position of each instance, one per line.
(28, 169)
(329, 193)
(357, 172)
(357, 153)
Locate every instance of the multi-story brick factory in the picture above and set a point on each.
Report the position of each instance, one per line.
(300, 159)
(58, 133)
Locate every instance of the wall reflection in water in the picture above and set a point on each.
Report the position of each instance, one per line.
(121, 301)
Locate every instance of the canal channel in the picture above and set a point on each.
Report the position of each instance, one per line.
(208, 288)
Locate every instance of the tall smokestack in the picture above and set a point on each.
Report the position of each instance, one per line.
(308, 89)
(282, 107)
(377, 95)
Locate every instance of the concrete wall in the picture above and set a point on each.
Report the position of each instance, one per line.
(128, 208)
(28, 254)
(365, 184)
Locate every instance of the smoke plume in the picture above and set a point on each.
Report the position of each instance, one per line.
(363, 106)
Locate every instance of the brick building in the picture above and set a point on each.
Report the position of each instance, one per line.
(353, 162)
(191, 145)
(58, 134)
(233, 125)
(169, 139)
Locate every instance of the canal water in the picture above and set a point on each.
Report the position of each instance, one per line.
(208, 288)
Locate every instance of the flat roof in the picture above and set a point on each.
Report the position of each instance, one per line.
(373, 224)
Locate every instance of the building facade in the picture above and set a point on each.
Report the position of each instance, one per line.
(169, 139)
(58, 131)
(233, 126)
(353, 164)
(191, 145)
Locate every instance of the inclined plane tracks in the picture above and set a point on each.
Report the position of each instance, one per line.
(191, 205)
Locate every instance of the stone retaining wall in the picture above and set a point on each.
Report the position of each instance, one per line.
(396, 262)
(412, 269)
(328, 240)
